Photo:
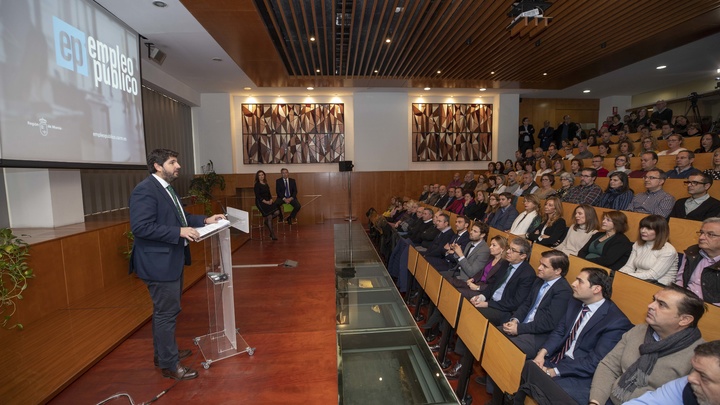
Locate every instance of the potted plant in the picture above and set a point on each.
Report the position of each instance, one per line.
(14, 275)
(201, 186)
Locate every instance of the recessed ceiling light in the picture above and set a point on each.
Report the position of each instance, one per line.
(317, 70)
(311, 88)
(160, 4)
(216, 59)
(399, 9)
(312, 39)
(426, 88)
(492, 73)
(247, 88)
(482, 89)
(544, 74)
(387, 40)
(376, 70)
(661, 67)
(586, 91)
(439, 71)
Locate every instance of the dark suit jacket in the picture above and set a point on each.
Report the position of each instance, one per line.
(280, 188)
(615, 253)
(159, 253)
(551, 309)
(709, 208)
(437, 247)
(441, 201)
(415, 233)
(518, 287)
(504, 221)
(597, 338)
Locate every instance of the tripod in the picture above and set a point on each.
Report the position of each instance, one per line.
(695, 110)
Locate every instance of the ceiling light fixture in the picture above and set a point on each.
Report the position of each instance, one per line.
(247, 88)
(438, 72)
(482, 89)
(317, 70)
(312, 39)
(661, 67)
(544, 74)
(586, 91)
(427, 89)
(376, 70)
(388, 40)
(492, 73)
(216, 59)
(160, 4)
(311, 88)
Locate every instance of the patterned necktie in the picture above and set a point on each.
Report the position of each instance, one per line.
(177, 205)
(533, 309)
(573, 332)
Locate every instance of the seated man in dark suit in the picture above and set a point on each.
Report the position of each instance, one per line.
(563, 369)
(543, 308)
(460, 238)
(286, 191)
(435, 250)
(699, 205)
(397, 264)
(498, 302)
(506, 214)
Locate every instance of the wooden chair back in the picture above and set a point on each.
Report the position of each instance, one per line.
(632, 296)
(502, 360)
(449, 303)
(421, 271)
(710, 323)
(412, 259)
(683, 233)
(536, 254)
(433, 281)
(471, 328)
(576, 266)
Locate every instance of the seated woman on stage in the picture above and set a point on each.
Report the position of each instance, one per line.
(586, 224)
(475, 209)
(653, 257)
(609, 248)
(477, 284)
(265, 203)
(528, 219)
(618, 194)
(553, 227)
(458, 204)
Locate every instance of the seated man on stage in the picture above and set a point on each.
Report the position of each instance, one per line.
(286, 191)
(563, 368)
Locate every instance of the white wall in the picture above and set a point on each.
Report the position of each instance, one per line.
(154, 77)
(42, 198)
(507, 120)
(212, 132)
(377, 129)
(622, 103)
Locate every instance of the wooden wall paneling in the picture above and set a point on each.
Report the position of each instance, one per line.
(112, 244)
(82, 264)
(46, 292)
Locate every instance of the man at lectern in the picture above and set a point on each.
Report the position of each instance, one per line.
(286, 190)
(162, 231)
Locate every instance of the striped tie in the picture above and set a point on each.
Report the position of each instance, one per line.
(177, 205)
(571, 338)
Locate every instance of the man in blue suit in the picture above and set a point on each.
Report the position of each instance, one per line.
(563, 369)
(286, 191)
(505, 216)
(162, 231)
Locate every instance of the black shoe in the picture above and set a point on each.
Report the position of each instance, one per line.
(454, 372)
(431, 337)
(435, 348)
(182, 354)
(482, 380)
(179, 372)
(289, 221)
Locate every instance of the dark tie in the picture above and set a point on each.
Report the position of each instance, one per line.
(287, 189)
(177, 205)
(573, 332)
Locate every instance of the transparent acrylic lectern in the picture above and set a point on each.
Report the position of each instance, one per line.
(224, 340)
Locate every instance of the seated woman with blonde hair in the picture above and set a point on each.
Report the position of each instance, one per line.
(529, 219)
(653, 258)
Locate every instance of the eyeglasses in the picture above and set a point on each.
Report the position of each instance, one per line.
(693, 183)
(651, 178)
(512, 249)
(708, 234)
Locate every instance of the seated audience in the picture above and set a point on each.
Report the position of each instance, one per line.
(492, 208)
(445, 259)
(508, 166)
(434, 195)
(714, 172)
(443, 197)
(701, 386)
(478, 283)
(604, 150)
(552, 153)
(502, 298)
(654, 200)
(615, 125)
(681, 125)
(609, 247)
(618, 194)
(692, 130)
(469, 182)
(587, 192)
(566, 182)
(455, 182)
(626, 148)
(649, 144)
(491, 169)
(683, 166)
(492, 184)
(505, 215)
(708, 143)
(591, 141)
(666, 130)
(475, 208)
(699, 205)
(648, 161)
(699, 269)
(562, 371)
(481, 184)
(653, 353)
(558, 167)
(622, 164)
(583, 152)
(527, 187)
(579, 233)
(500, 184)
(539, 314)
(569, 152)
(457, 205)
(511, 184)
(674, 145)
(529, 219)
(425, 192)
(653, 258)
(544, 167)
(597, 164)
(471, 258)
(552, 228)
(546, 186)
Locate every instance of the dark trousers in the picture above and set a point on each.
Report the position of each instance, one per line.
(165, 296)
(547, 390)
(530, 344)
(295, 204)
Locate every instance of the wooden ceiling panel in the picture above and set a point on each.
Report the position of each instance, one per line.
(465, 39)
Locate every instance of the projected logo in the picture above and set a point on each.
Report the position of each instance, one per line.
(76, 51)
